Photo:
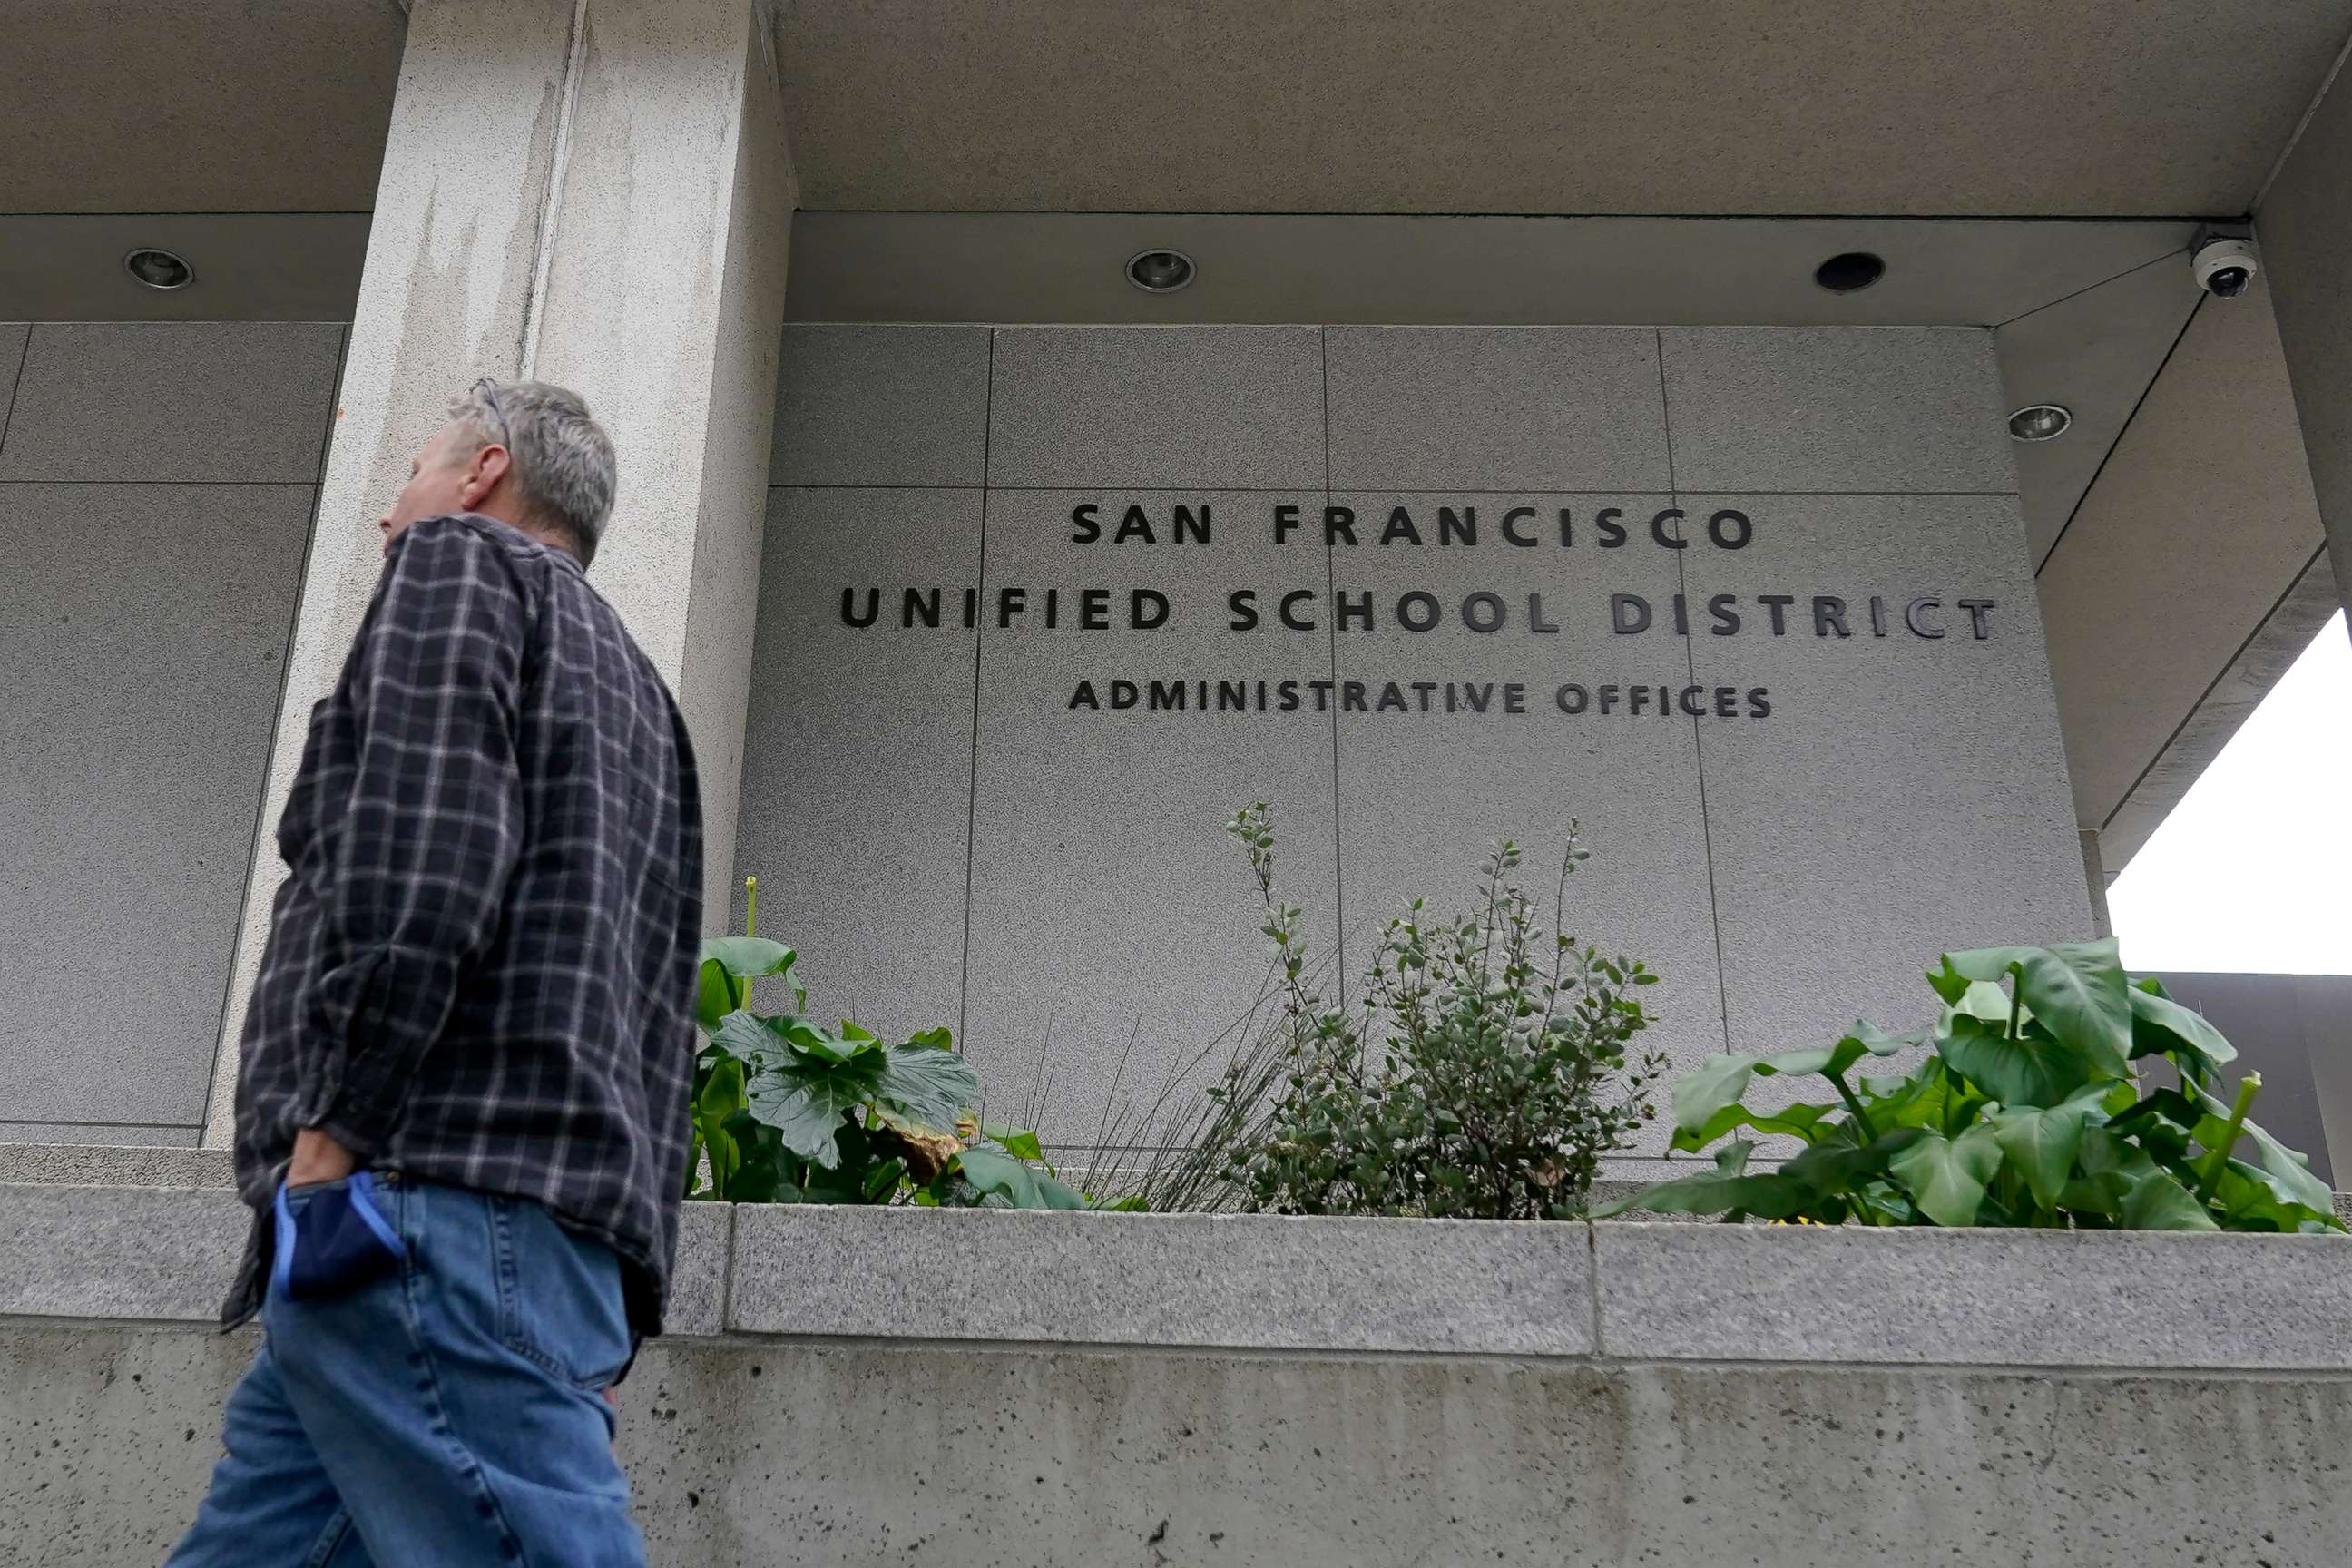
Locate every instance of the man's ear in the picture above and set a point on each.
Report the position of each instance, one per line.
(490, 465)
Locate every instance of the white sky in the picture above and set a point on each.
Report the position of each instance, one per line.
(2252, 872)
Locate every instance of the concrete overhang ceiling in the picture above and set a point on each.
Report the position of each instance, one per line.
(2009, 108)
(179, 106)
(1995, 108)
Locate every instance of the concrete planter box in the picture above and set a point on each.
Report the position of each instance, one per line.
(871, 1387)
(1613, 1291)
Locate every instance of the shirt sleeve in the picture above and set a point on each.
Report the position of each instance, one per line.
(425, 842)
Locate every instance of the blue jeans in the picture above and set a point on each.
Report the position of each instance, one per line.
(447, 1413)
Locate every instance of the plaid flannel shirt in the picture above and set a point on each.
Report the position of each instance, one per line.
(481, 964)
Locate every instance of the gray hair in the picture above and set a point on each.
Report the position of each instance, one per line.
(562, 458)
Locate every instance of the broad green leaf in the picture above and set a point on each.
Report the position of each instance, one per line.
(2094, 1194)
(714, 996)
(748, 957)
(2157, 1202)
(759, 1182)
(1832, 1061)
(2286, 1164)
(1017, 1142)
(1930, 1098)
(1771, 1194)
(1707, 1088)
(723, 1091)
(1985, 999)
(803, 1034)
(941, 1037)
(2031, 1071)
(2165, 1104)
(1790, 1121)
(1949, 983)
(2103, 1154)
(2253, 1199)
(1840, 1161)
(2076, 989)
(806, 1100)
(747, 1033)
(881, 1181)
(1020, 1186)
(2159, 1023)
(2041, 1144)
(1883, 1202)
(1132, 1204)
(926, 1082)
(1947, 1176)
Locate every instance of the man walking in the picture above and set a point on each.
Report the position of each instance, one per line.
(462, 1113)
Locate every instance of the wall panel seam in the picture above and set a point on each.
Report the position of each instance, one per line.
(255, 844)
(978, 643)
(2121, 431)
(64, 1121)
(1331, 631)
(16, 385)
(1698, 741)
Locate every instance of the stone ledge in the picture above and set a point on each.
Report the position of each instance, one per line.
(114, 1165)
(152, 1253)
(1625, 1291)
(1978, 1298)
(1224, 1282)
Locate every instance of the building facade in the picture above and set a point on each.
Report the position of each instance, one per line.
(1810, 446)
(994, 575)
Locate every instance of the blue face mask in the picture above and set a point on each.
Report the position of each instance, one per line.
(331, 1240)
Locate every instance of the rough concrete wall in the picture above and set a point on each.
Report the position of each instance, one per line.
(946, 837)
(157, 488)
(2305, 227)
(851, 1455)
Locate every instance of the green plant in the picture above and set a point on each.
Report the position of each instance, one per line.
(2028, 1110)
(1484, 1095)
(785, 1111)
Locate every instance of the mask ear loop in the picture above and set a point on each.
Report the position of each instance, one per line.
(362, 1193)
(281, 1265)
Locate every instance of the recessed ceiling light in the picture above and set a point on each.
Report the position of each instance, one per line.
(1159, 272)
(2040, 422)
(158, 268)
(1849, 271)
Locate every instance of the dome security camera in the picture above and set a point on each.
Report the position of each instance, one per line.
(2225, 264)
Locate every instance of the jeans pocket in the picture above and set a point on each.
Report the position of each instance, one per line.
(560, 1301)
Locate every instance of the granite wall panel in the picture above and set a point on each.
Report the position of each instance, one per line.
(210, 402)
(143, 639)
(1907, 792)
(156, 487)
(1109, 905)
(1457, 737)
(882, 405)
(857, 748)
(1784, 870)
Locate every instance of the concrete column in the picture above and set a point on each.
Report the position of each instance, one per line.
(596, 193)
(2095, 873)
(2305, 225)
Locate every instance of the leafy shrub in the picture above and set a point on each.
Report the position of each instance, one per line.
(1485, 1096)
(2027, 1112)
(787, 1110)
